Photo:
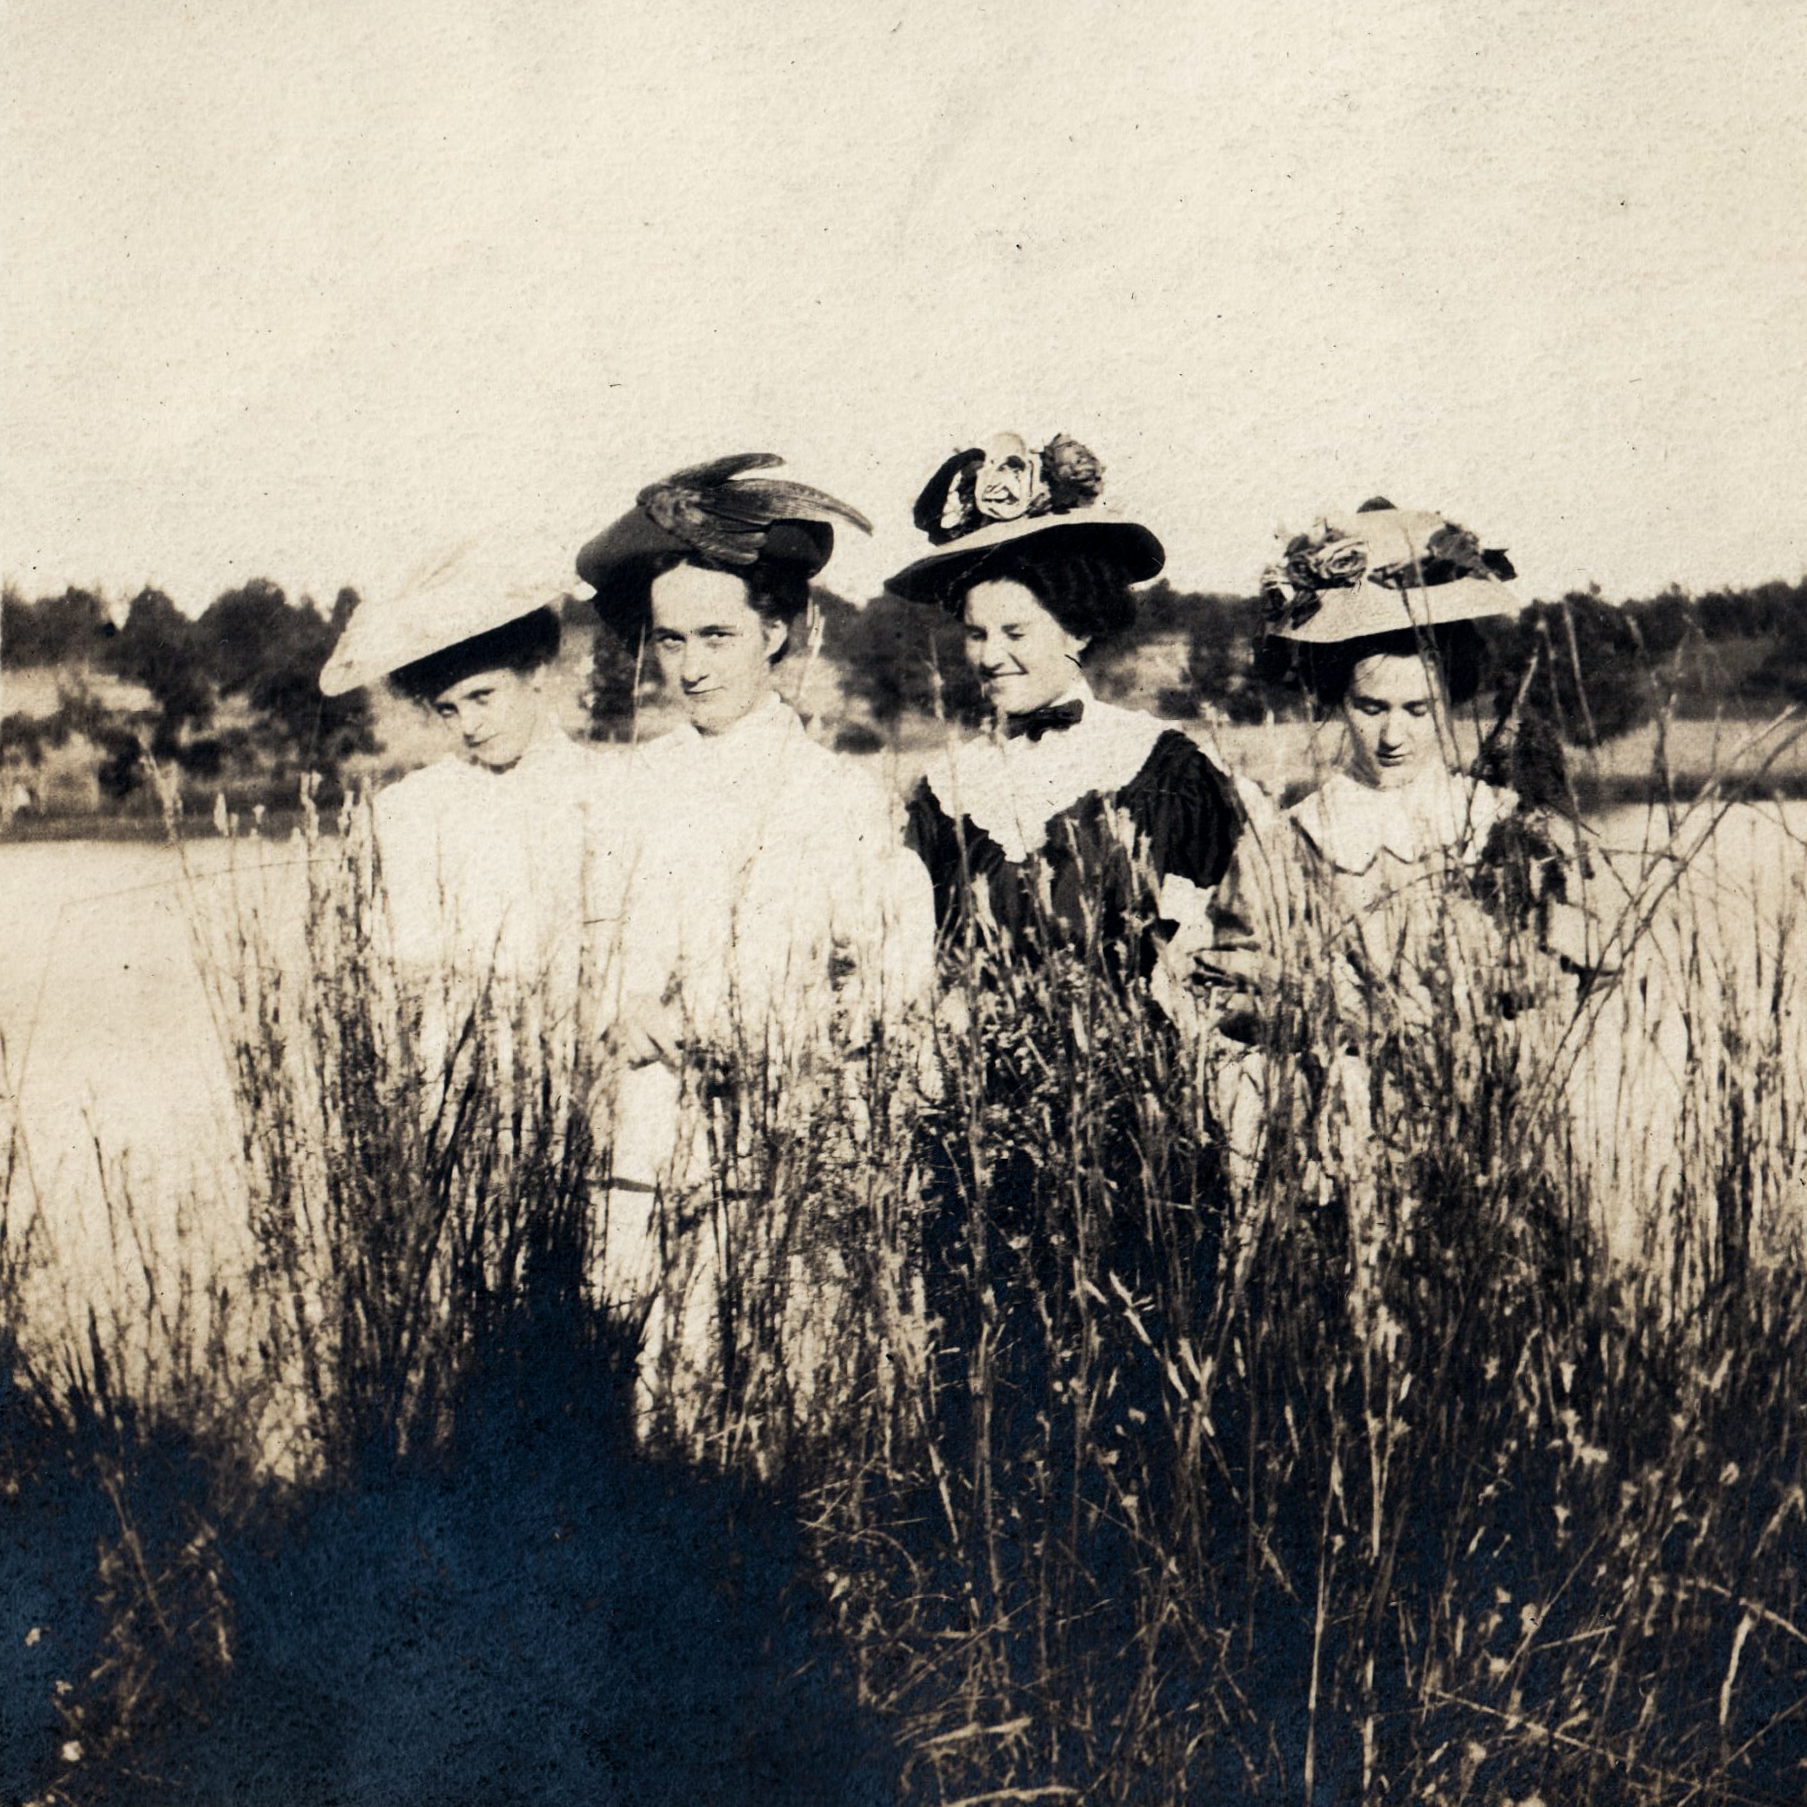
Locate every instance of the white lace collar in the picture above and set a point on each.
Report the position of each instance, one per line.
(1351, 824)
(1013, 788)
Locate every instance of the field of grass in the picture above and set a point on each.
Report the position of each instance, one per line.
(1443, 1446)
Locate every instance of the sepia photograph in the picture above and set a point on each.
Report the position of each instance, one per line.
(903, 905)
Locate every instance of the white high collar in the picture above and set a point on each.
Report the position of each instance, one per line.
(770, 716)
(549, 744)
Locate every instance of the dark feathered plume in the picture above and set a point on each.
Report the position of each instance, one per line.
(727, 521)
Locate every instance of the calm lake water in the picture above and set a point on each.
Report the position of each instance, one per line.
(115, 1079)
(113, 1063)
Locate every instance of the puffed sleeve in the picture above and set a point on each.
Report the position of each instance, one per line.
(419, 924)
(1188, 817)
(958, 856)
(1186, 811)
(1237, 962)
(1249, 916)
(418, 892)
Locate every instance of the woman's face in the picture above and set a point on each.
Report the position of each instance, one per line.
(1393, 709)
(714, 648)
(1024, 657)
(497, 715)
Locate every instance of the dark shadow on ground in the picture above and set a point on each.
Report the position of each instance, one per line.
(537, 1613)
(52, 1517)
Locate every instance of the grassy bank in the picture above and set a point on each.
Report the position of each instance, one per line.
(1046, 1450)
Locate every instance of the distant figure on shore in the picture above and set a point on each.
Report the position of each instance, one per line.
(772, 922)
(1067, 822)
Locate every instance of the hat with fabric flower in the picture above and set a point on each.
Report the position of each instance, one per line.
(1382, 570)
(1004, 494)
(458, 596)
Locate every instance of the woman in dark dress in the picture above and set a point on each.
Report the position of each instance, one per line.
(1066, 842)
(1068, 822)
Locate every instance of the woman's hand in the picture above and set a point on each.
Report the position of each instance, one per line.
(647, 1030)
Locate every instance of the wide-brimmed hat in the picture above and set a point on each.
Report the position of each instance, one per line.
(469, 591)
(716, 513)
(1002, 494)
(1382, 570)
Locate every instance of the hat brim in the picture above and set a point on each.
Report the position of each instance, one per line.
(941, 575)
(1366, 609)
(458, 599)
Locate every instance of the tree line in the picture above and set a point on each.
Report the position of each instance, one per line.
(1598, 669)
(250, 643)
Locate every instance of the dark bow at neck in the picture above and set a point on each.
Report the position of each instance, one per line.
(1051, 718)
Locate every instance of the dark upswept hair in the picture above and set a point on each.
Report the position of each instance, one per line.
(521, 645)
(777, 590)
(1324, 670)
(1087, 594)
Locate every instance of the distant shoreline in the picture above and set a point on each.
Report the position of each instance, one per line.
(1595, 793)
(25, 828)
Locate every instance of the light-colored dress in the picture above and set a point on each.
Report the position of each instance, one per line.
(1360, 904)
(482, 870)
(768, 901)
(1386, 877)
(767, 892)
(1381, 877)
(1411, 937)
(488, 880)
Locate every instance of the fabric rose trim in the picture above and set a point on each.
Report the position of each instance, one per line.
(1334, 564)
(1074, 476)
(1008, 481)
(1003, 480)
(1327, 558)
(1320, 560)
(1450, 553)
(1282, 606)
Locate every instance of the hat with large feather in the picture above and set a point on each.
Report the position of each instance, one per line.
(717, 514)
(453, 598)
(1382, 570)
(1004, 494)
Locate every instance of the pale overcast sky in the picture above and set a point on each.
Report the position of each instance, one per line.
(313, 291)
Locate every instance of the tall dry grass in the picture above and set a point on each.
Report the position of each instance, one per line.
(1376, 1470)
(417, 1155)
(1448, 1448)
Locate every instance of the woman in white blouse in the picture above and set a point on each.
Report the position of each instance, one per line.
(771, 922)
(1373, 615)
(485, 855)
(1402, 888)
